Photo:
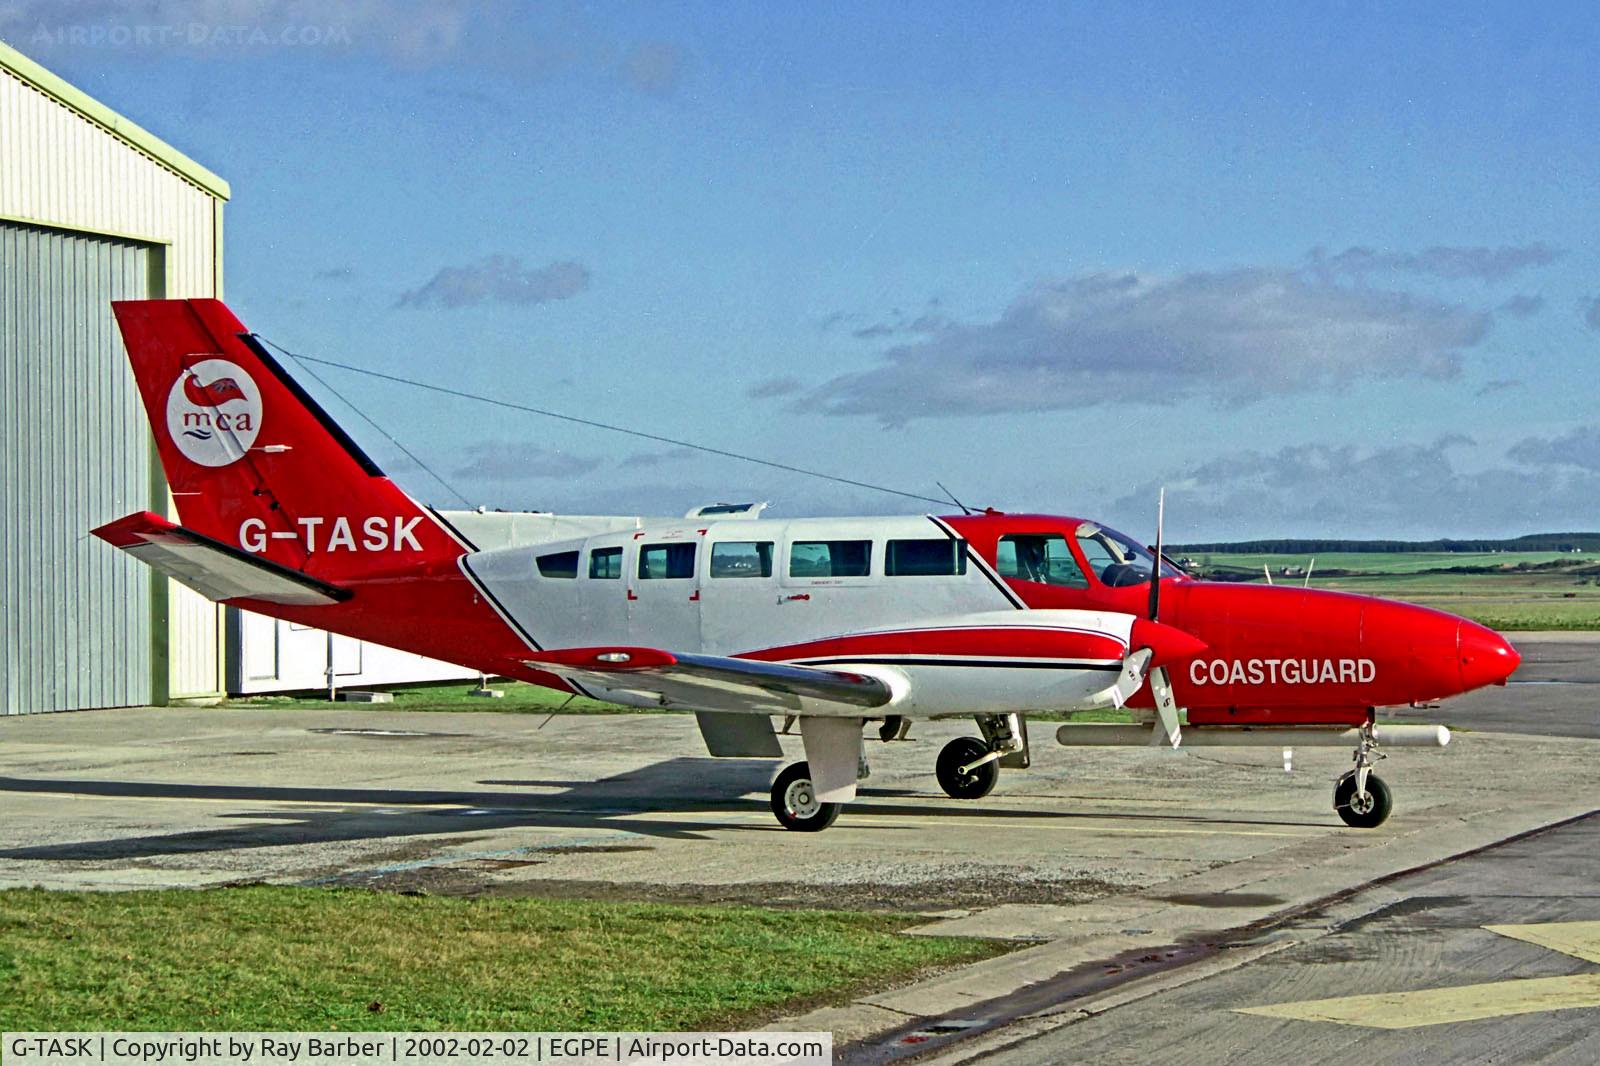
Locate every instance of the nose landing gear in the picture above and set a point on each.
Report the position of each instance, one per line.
(1361, 798)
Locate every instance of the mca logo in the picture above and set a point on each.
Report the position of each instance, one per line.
(214, 412)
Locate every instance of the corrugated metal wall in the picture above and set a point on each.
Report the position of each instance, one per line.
(76, 617)
(58, 168)
(61, 170)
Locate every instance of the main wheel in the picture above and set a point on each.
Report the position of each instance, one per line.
(1363, 812)
(794, 801)
(975, 783)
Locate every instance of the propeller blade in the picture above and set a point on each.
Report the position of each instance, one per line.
(1166, 707)
(1155, 573)
(1134, 668)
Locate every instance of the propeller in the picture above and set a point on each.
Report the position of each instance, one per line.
(1160, 680)
(1157, 644)
(1155, 572)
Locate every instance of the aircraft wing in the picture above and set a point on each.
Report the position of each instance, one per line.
(657, 678)
(216, 570)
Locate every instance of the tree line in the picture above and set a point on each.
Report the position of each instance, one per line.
(1533, 542)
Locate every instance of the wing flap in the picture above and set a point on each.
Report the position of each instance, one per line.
(728, 683)
(738, 736)
(216, 570)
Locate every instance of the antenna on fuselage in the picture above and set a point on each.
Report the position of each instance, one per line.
(964, 508)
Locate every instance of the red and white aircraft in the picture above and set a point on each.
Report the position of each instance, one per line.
(833, 621)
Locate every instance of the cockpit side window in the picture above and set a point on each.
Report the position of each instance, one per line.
(1041, 557)
(1117, 559)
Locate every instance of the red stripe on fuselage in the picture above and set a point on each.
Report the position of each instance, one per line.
(986, 641)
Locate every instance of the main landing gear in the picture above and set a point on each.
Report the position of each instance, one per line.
(1361, 798)
(968, 768)
(794, 801)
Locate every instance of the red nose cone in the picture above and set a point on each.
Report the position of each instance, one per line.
(1486, 658)
(1168, 644)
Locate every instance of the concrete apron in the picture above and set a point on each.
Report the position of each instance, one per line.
(1135, 932)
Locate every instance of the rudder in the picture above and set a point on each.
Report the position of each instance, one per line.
(253, 460)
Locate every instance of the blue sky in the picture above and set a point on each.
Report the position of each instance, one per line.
(1319, 272)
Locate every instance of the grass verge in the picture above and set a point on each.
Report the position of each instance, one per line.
(282, 958)
(519, 698)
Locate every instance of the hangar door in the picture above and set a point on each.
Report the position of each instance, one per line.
(74, 452)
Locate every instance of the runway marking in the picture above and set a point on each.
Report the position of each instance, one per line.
(238, 801)
(889, 820)
(1467, 1003)
(1578, 939)
(884, 819)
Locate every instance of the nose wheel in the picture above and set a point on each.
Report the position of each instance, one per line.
(967, 769)
(1361, 798)
(1362, 810)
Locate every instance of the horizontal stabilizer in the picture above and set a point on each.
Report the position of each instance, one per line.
(216, 570)
(709, 682)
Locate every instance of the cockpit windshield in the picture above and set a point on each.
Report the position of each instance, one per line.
(1117, 559)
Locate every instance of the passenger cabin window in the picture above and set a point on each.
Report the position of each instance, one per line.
(1041, 557)
(741, 558)
(560, 564)
(666, 561)
(925, 558)
(830, 558)
(605, 563)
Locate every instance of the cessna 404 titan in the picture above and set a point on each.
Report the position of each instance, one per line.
(833, 622)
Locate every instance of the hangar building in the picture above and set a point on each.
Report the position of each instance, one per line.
(93, 209)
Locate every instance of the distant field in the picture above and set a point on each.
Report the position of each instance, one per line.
(1560, 598)
(1389, 562)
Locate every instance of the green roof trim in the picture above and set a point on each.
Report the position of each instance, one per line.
(123, 129)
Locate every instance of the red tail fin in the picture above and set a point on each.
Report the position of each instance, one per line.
(251, 458)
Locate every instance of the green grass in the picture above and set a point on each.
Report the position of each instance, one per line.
(275, 958)
(520, 698)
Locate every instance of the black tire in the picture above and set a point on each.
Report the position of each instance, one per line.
(974, 784)
(795, 804)
(1366, 813)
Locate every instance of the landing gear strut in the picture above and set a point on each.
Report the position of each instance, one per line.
(1361, 798)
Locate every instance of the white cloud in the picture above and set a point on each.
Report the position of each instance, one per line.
(498, 279)
(669, 455)
(1579, 447)
(770, 387)
(1231, 337)
(1346, 490)
(517, 461)
(1450, 263)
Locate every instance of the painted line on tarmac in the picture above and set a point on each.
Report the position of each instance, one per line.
(1467, 1003)
(245, 801)
(887, 820)
(1105, 829)
(1578, 939)
(878, 821)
